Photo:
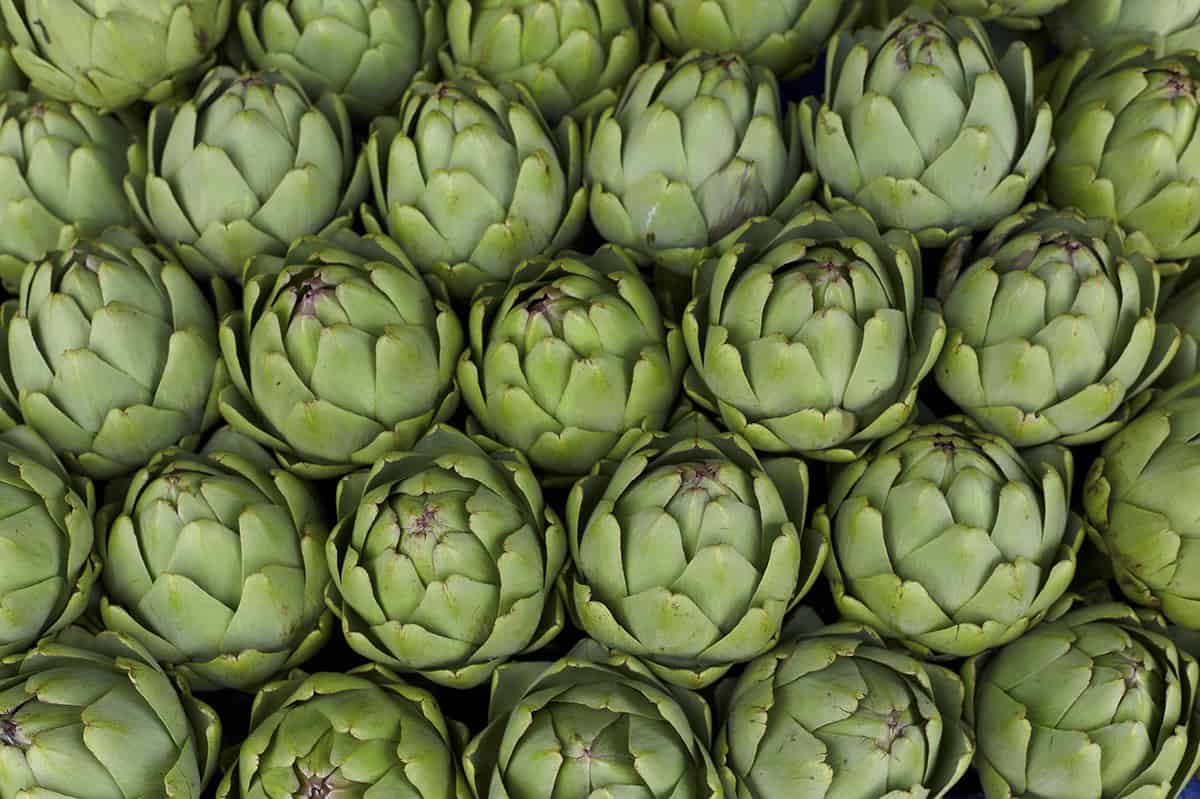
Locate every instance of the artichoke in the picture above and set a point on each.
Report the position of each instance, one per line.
(245, 168)
(926, 128)
(573, 56)
(366, 51)
(573, 362)
(215, 563)
(688, 553)
(1182, 309)
(112, 354)
(1053, 329)
(812, 336)
(595, 723)
(445, 560)
(784, 37)
(362, 733)
(1099, 704)
(471, 182)
(112, 54)
(1172, 25)
(1021, 14)
(1127, 143)
(694, 149)
(1139, 497)
(61, 168)
(949, 540)
(94, 717)
(339, 354)
(47, 568)
(832, 712)
(11, 77)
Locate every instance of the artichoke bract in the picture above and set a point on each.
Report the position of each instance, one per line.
(47, 568)
(61, 169)
(339, 354)
(689, 552)
(11, 76)
(1020, 14)
(244, 168)
(832, 712)
(783, 37)
(1099, 703)
(445, 560)
(362, 733)
(573, 56)
(812, 336)
(1182, 309)
(1138, 497)
(925, 127)
(112, 354)
(87, 716)
(1129, 107)
(573, 362)
(1053, 328)
(365, 51)
(215, 562)
(1171, 26)
(949, 540)
(594, 723)
(694, 149)
(471, 182)
(113, 54)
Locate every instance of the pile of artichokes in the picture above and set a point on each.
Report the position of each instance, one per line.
(599, 399)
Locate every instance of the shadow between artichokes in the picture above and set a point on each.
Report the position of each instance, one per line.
(84, 716)
(833, 712)
(874, 141)
(47, 567)
(573, 361)
(470, 180)
(446, 560)
(112, 354)
(949, 540)
(1054, 329)
(593, 722)
(362, 733)
(340, 353)
(246, 167)
(215, 563)
(689, 552)
(1097, 704)
(812, 335)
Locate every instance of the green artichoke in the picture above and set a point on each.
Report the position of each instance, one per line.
(573, 56)
(1127, 143)
(446, 559)
(112, 354)
(11, 77)
(926, 128)
(112, 54)
(784, 37)
(694, 149)
(573, 362)
(1182, 309)
(1021, 14)
(1172, 25)
(595, 723)
(832, 712)
(812, 336)
(366, 51)
(1099, 704)
(61, 168)
(245, 168)
(363, 733)
(948, 539)
(1138, 499)
(471, 182)
(689, 552)
(94, 717)
(215, 562)
(339, 355)
(47, 568)
(1053, 329)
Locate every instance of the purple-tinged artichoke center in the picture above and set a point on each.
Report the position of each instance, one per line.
(314, 786)
(11, 735)
(309, 290)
